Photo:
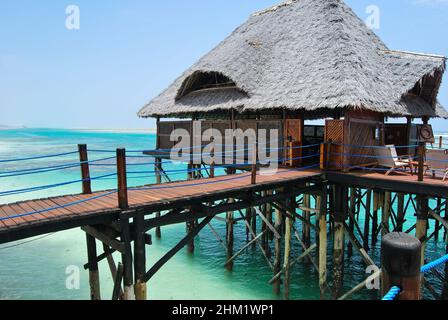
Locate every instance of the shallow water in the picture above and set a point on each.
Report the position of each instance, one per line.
(36, 268)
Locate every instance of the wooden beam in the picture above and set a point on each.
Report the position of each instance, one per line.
(114, 244)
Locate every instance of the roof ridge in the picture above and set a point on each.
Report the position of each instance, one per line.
(426, 55)
(274, 8)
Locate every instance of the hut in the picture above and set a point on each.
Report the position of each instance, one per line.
(306, 60)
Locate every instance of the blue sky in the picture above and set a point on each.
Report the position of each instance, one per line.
(126, 52)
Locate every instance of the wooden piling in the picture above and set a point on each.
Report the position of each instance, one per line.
(122, 180)
(322, 218)
(190, 226)
(341, 199)
(376, 207)
(85, 171)
(139, 258)
(277, 250)
(306, 230)
(287, 254)
(421, 226)
(445, 283)
(158, 169)
(126, 258)
(230, 237)
(385, 217)
(400, 212)
(421, 160)
(94, 278)
(351, 218)
(401, 264)
(367, 220)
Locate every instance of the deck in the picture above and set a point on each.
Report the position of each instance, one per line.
(17, 220)
(404, 183)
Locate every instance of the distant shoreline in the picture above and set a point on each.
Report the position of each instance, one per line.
(148, 130)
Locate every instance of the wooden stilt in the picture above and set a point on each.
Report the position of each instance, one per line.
(367, 220)
(158, 167)
(94, 278)
(386, 214)
(229, 237)
(139, 258)
(351, 218)
(277, 250)
(322, 217)
(341, 199)
(306, 231)
(400, 212)
(376, 207)
(287, 254)
(126, 258)
(445, 283)
(190, 226)
(422, 222)
(437, 223)
(254, 221)
(249, 223)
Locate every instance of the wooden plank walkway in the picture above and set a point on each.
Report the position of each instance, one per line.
(34, 217)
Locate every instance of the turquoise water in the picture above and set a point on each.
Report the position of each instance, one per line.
(36, 268)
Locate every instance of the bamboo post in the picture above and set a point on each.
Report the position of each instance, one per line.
(122, 179)
(287, 254)
(139, 258)
(277, 250)
(401, 257)
(322, 216)
(422, 223)
(421, 160)
(367, 220)
(158, 169)
(386, 214)
(85, 171)
(94, 278)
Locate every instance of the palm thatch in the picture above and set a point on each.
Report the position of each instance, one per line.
(312, 56)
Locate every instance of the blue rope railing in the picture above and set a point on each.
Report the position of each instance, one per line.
(39, 157)
(395, 290)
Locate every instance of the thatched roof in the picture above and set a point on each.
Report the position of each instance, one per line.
(308, 55)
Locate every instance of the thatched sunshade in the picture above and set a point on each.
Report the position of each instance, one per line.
(314, 56)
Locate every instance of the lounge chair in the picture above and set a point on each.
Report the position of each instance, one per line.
(437, 161)
(387, 157)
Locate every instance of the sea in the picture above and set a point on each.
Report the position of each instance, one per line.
(50, 267)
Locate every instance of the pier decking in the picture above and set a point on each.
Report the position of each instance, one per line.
(16, 223)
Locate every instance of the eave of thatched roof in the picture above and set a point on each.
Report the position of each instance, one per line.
(308, 55)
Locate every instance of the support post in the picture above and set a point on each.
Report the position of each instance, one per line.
(190, 226)
(351, 219)
(126, 258)
(401, 257)
(367, 220)
(122, 180)
(400, 212)
(306, 230)
(229, 237)
(421, 160)
(94, 278)
(386, 214)
(139, 258)
(322, 216)
(287, 262)
(376, 207)
(341, 199)
(441, 142)
(158, 169)
(445, 283)
(277, 250)
(422, 223)
(85, 171)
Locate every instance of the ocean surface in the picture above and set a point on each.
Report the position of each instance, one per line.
(39, 268)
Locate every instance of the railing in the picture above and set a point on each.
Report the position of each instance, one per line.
(122, 174)
(402, 274)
